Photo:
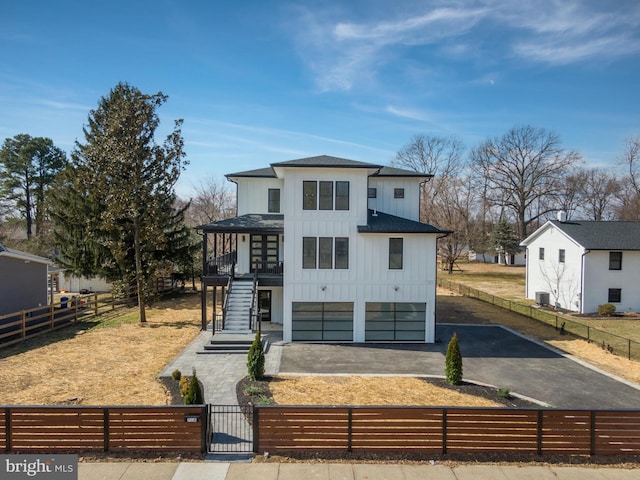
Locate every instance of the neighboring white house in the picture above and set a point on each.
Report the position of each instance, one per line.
(491, 257)
(579, 265)
(336, 249)
(72, 283)
(23, 280)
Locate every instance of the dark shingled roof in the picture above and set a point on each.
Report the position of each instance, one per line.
(399, 172)
(379, 222)
(258, 173)
(247, 223)
(603, 235)
(325, 161)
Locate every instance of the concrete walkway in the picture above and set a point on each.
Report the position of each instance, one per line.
(342, 471)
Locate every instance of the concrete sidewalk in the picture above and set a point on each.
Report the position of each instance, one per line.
(343, 471)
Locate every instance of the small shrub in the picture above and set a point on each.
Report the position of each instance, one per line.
(264, 400)
(194, 394)
(252, 390)
(184, 386)
(606, 309)
(176, 375)
(255, 360)
(453, 362)
(504, 393)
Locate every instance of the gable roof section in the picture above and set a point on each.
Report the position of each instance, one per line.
(25, 257)
(252, 222)
(378, 222)
(596, 235)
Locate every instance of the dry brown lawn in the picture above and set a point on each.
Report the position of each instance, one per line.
(355, 390)
(112, 364)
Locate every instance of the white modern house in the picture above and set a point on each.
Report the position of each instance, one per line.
(578, 265)
(331, 248)
(23, 280)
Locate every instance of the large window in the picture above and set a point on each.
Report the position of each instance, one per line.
(342, 195)
(309, 252)
(274, 200)
(615, 260)
(395, 253)
(309, 195)
(325, 195)
(325, 252)
(615, 295)
(342, 253)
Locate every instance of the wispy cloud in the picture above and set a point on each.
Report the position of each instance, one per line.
(343, 52)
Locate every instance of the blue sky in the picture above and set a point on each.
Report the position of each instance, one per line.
(264, 81)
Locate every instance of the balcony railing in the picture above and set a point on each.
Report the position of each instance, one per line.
(221, 266)
(272, 267)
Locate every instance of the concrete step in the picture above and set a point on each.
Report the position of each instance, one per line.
(231, 343)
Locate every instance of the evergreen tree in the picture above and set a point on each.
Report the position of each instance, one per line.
(453, 362)
(194, 395)
(114, 211)
(255, 361)
(28, 167)
(504, 241)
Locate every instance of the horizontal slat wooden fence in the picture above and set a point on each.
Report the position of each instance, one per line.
(55, 429)
(445, 430)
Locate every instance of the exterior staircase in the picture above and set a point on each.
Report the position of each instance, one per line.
(239, 302)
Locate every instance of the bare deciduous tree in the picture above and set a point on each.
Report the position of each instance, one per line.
(213, 200)
(523, 169)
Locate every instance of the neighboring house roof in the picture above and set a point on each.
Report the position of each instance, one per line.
(378, 222)
(247, 223)
(326, 161)
(26, 257)
(596, 235)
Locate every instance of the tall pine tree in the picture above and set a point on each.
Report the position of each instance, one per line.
(115, 206)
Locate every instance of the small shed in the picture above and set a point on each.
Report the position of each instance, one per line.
(23, 280)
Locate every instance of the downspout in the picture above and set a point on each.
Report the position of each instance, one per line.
(586, 251)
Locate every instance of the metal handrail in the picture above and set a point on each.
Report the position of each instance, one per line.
(254, 301)
(225, 304)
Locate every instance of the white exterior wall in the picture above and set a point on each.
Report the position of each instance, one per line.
(599, 279)
(407, 207)
(253, 194)
(75, 284)
(561, 280)
(368, 278)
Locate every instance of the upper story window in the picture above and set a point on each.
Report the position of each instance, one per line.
(541, 253)
(325, 253)
(398, 193)
(325, 195)
(309, 195)
(274, 200)
(561, 254)
(615, 260)
(395, 253)
(342, 195)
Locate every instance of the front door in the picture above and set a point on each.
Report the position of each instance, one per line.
(264, 304)
(264, 253)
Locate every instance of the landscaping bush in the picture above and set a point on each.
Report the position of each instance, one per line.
(606, 309)
(453, 362)
(194, 394)
(255, 360)
(176, 375)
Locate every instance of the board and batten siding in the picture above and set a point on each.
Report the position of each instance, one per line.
(253, 194)
(562, 281)
(23, 285)
(598, 279)
(407, 207)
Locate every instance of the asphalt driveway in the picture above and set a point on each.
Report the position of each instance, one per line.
(491, 354)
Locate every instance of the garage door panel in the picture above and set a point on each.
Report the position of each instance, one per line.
(317, 321)
(395, 321)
